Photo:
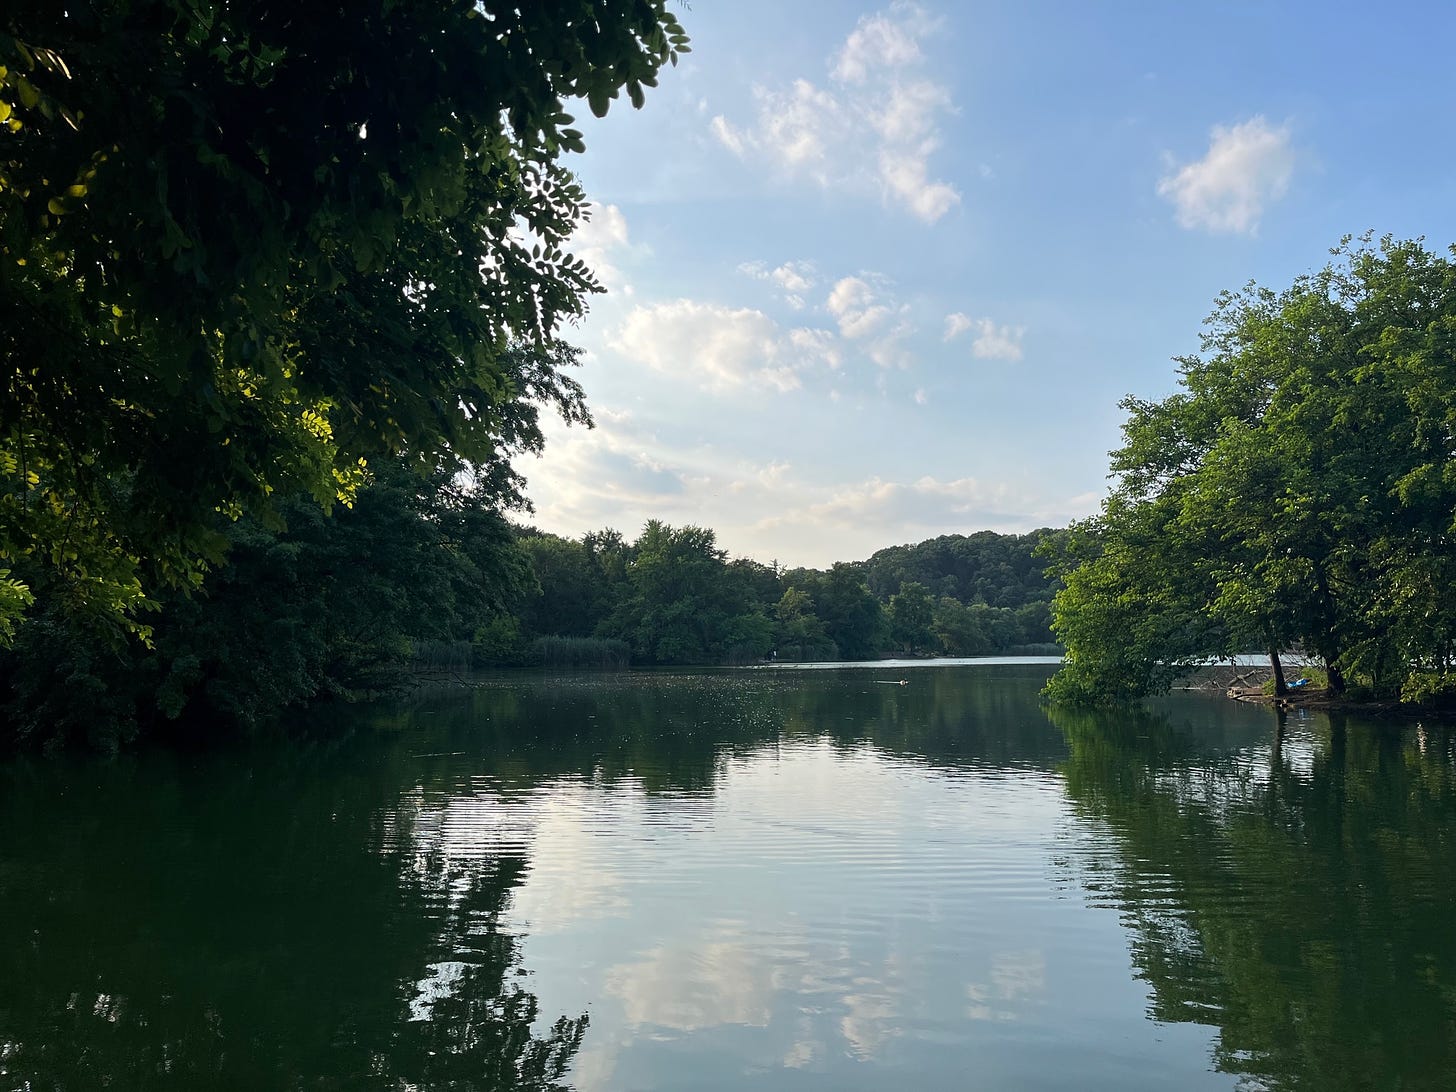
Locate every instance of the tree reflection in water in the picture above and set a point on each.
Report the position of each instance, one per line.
(1296, 896)
(254, 932)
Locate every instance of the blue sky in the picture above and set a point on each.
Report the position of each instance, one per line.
(883, 272)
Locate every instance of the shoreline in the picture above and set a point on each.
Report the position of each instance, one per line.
(1324, 701)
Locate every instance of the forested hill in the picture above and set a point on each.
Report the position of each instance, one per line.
(986, 567)
(672, 596)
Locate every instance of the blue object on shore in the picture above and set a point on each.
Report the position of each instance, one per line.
(1297, 683)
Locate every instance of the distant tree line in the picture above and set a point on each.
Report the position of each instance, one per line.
(673, 596)
(425, 572)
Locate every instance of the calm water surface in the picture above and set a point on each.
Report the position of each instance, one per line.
(741, 880)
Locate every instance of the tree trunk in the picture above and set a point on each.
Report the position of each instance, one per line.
(1280, 689)
(1331, 643)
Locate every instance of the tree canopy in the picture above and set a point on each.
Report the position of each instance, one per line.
(244, 250)
(1298, 491)
(995, 569)
(673, 596)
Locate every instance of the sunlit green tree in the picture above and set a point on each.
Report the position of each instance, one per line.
(1297, 490)
(243, 251)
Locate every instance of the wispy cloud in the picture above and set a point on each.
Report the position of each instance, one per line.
(598, 240)
(854, 305)
(617, 467)
(720, 347)
(878, 90)
(864, 313)
(1247, 167)
(792, 278)
(621, 474)
(887, 40)
(956, 325)
(991, 342)
(925, 502)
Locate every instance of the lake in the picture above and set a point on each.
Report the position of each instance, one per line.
(894, 877)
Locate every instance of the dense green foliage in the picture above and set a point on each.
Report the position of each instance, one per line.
(1299, 491)
(326, 606)
(424, 574)
(273, 276)
(986, 567)
(252, 265)
(244, 249)
(675, 598)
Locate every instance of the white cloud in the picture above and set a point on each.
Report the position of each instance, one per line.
(906, 124)
(721, 347)
(615, 471)
(792, 129)
(853, 304)
(605, 227)
(792, 278)
(882, 42)
(621, 474)
(906, 176)
(816, 345)
(597, 238)
(880, 94)
(728, 136)
(991, 342)
(864, 314)
(997, 342)
(889, 351)
(1248, 166)
(956, 324)
(925, 503)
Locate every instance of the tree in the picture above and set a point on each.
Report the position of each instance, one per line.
(328, 606)
(852, 616)
(910, 617)
(957, 629)
(1299, 489)
(799, 634)
(289, 246)
(1000, 570)
(567, 598)
(674, 608)
(1132, 619)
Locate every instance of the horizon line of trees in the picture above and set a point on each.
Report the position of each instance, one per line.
(673, 596)
(424, 572)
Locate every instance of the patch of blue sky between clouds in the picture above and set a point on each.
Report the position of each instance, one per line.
(881, 272)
